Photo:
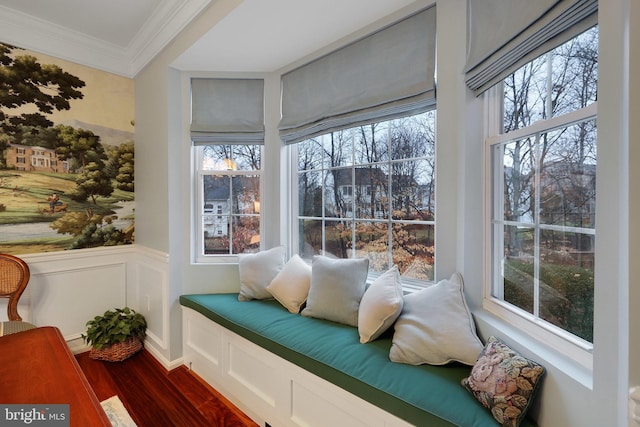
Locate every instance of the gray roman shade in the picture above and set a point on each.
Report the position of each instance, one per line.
(505, 35)
(227, 111)
(387, 74)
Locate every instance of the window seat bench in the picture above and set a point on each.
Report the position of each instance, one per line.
(286, 369)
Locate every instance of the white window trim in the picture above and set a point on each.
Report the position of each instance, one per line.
(198, 244)
(578, 350)
(409, 285)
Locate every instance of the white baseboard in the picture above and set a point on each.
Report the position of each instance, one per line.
(167, 364)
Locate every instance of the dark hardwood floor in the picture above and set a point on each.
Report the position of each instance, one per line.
(155, 397)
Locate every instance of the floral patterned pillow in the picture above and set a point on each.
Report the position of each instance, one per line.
(504, 382)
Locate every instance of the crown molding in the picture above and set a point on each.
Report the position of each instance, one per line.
(168, 20)
(35, 34)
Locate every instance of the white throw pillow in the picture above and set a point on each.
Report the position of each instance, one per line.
(380, 306)
(436, 327)
(337, 286)
(291, 286)
(257, 271)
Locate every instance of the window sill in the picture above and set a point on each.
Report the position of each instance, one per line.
(216, 260)
(535, 349)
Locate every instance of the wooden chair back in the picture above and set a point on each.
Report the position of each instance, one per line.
(14, 277)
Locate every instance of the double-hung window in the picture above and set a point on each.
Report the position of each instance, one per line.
(228, 194)
(542, 186)
(227, 133)
(537, 65)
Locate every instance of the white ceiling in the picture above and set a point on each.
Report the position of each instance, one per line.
(262, 35)
(122, 36)
(114, 21)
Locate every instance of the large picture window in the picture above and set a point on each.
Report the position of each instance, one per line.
(369, 192)
(543, 199)
(228, 199)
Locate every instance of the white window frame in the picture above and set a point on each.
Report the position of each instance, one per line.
(408, 284)
(199, 215)
(574, 347)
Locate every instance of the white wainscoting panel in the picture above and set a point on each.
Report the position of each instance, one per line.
(250, 372)
(203, 340)
(68, 298)
(149, 293)
(268, 388)
(69, 288)
(313, 410)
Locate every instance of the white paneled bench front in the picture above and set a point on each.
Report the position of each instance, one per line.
(284, 369)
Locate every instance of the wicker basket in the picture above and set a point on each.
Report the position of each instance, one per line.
(118, 351)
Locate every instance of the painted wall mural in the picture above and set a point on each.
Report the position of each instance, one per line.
(66, 155)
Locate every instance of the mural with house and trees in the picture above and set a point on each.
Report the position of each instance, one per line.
(66, 155)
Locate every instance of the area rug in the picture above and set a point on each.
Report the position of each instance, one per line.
(117, 413)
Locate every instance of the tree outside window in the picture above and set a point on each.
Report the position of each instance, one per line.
(544, 199)
(369, 192)
(229, 192)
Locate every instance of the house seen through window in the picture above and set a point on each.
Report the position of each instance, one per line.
(543, 199)
(229, 197)
(369, 192)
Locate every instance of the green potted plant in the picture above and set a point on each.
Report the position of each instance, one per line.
(116, 335)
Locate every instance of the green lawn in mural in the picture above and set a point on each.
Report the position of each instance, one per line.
(28, 224)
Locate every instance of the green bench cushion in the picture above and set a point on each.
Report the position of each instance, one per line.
(421, 395)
